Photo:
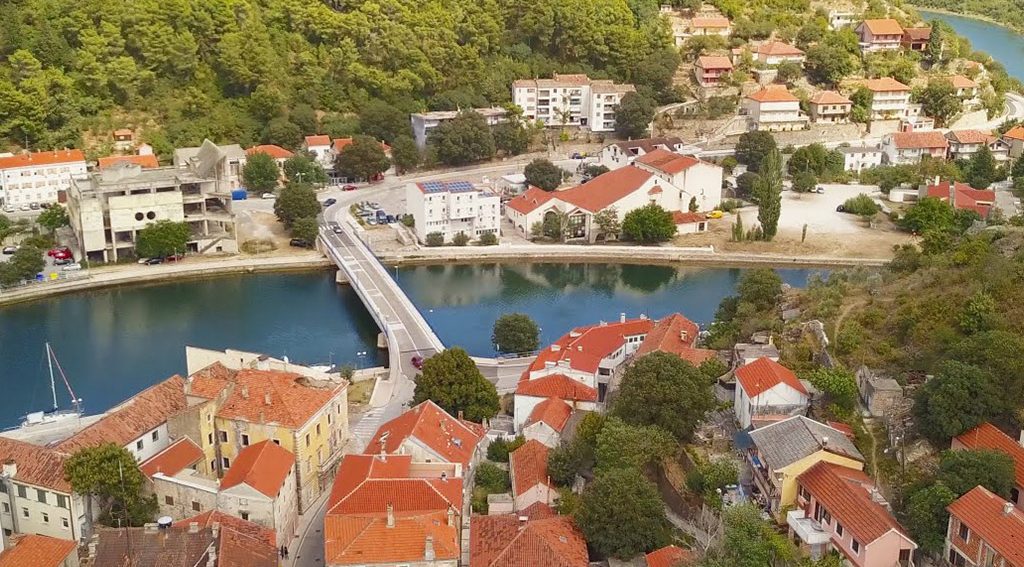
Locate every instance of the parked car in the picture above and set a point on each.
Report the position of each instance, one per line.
(819, 189)
(372, 221)
(715, 214)
(417, 362)
(45, 205)
(392, 219)
(298, 243)
(10, 249)
(154, 261)
(375, 205)
(33, 206)
(330, 202)
(381, 215)
(174, 258)
(25, 208)
(841, 209)
(142, 260)
(59, 252)
(268, 196)
(348, 187)
(62, 261)
(72, 268)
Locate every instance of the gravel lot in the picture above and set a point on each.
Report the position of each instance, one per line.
(818, 212)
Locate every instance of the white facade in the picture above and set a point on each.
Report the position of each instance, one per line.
(570, 100)
(621, 154)
(702, 180)
(452, 207)
(860, 158)
(524, 405)
(840, 18)
(279, 513)
(775, 109)
(544, 433)
(223, 163)
(888, 105)
(149, 443)
(28, 509)
(424, 122)
(37, 177)
(779, 396)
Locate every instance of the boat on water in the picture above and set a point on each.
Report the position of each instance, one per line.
(56, 414)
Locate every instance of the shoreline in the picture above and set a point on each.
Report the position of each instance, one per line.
(543, 254)
(978, 17)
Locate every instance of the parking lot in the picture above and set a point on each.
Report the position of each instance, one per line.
(818, 211)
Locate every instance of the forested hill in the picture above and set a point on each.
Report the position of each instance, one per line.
(250, 71)
(1006, 12)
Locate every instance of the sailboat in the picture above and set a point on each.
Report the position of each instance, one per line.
(56, 414)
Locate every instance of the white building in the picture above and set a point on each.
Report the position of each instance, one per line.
(34, 496)
(890, 99)
(37, 177)
(965, 143)
(683, 29)
(880, 35)
(319, 146)
(859, 158)
(772, 53)
(424, 122)
(767, 391)
(570, 100)
(830, 107)
(910, 147)
(775, 109)
(621, 154)
(222, 162)
(967, 89)
(451, 207)
(840, 18)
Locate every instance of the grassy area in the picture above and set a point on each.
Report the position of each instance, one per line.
(359, 392)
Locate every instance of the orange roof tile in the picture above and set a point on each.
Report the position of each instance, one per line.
(887, 26)
(965, 197)
(777, 48)
(172, 460)
(676, 335)
(370, 483)
(36, 551)
(669, 556)
(666, 161)
(773, 93)
(236, 549)
(251, 530)
(453, 440)
(148, 160)
(133, 418)
(505, 541)
(605, 190)
(530, 200)
(276, 152)
(917, 34)
(37, 465)
(846, 494)
(1015, 133)
(123, 132)
(710, 22)
(885, 85)
(920, 140)
(829, 97)
(986, 436)
(537, 511)
(962, 82)
(714, 62)
(983, 513)
(556, 386)
(263, 466)
(361, 540)
(41, 158)
(971, 137)
(764, 374)
(529, 466)
(584, 347)
(551, 411)
(318, 140)
(679, 217)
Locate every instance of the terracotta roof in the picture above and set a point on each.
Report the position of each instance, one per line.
(133, 418)
(679, 217)
(36, 551)
(341, 143)
(669, 556)
(371, 482)
(846, 494)
(884, 85)
(360, 540)
(666, 161)
(777, 48)
(41, 158)
(529, 466)
(537, 511)
(986, 436)
(917, 34)
(552, 411)
(318, 140)
(263, 466)
(829, 97)
(971, 137)
(773, 93)
(37, 465)
(240, 543)
(584, 347)
(965, 197)
(714, 62)
(263, 396)
(123, 132)
(505, 541)
(253, 531)
(529, 200)
(1015, 133)
(920, 140)
(983, 513)
(137, 546)
(667, 336)
(764, 374)
(710, 22)
(453, 440)
(145, 161)
(887, 26)
(179, 455)
(605, 190)
(962, 82)
(556, 386)
(276, 152)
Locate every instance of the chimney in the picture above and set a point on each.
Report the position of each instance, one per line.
(391, 516)
(428, 549)
(216, 529)
(622, 317)
(245, 392)
(522, 522)
(10, 469)
(683, 335)
(451, 516)
(266, 398)
(193, 527)
(188, 386)
(1007, 508)
(461, 415)
(824, 441)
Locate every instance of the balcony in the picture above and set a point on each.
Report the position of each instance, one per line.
(810, 537)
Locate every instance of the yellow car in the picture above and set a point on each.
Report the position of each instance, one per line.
(715, 214)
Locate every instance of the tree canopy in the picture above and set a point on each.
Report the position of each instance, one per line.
(112, 475)
(664, 390)
(260, 173)
(296, 201)
(162, 238)
(633, 115)
(620, 444)
(452, 380)
(648, 224)
(515, 332)
(362, 159)
(543, 174)
(768, 190)
(959, 397)
(620, 498)
(53, 218)
(963, 470)
(753, 147)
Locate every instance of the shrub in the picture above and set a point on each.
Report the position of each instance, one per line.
(488, 239)
(435, 239)
(861, 205)
(499, 449)
(407, 220)
(460, 239)
(492, 478)
(729, 205)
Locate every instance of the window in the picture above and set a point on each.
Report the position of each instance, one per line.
(209, 438)
(22, 492)
(24, 512)
(155, 435)
(138, 445)
(244, 515)
(41, 495)
(3, 488)
(1014, 495)
(964, 532)
(307, 439)
(223, 436)
(195, 506)
(276, 441)
(804, 494)
(855, 546)
(318, 430)
(956, 559)
(825, 516)
(46, 518)
(7, 508)
(64, 523)
(169, 500)
(245, 440)
(839, 529)
(213, 465)
(62, 501)
(226, 462)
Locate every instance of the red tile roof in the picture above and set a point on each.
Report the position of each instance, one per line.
(679, 217)
(361, 540)
(551, 411)
(885, 85)
(965, 197)
(773, 93)
(265, 536)
(829, 97)
(1015, 133)
(962, 82)
(764, 374)
(556, 386)
(276, 152)
(240, 543)
(36, 551)
(669, 556)
(714, 62)
(887, 26)
(37, 465)
(133, 418)
(846, 494)
(537, 511)
(530, 200)
(172, 460)
(668, 336)
(920, 140)
(453, 440)
(777, 48)
(710, 22)
(318, 140)
(584, 347)
(263, 466)
(505, 541)
(917, 34)
(971, 137)
(983, 513)
(41, 158)
(370, 483)
(666, 161)
(529, 466)
(605, 190)
(144, 161)
(986, 436)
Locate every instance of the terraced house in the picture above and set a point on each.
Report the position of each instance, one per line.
(34, 497)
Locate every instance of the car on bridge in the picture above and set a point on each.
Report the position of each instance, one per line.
(417, 362)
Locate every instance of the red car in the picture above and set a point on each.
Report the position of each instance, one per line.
(60, 253)
(417, 362)
(348, 187)
(174, 258)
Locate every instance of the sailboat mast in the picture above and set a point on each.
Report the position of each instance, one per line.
(49, 362)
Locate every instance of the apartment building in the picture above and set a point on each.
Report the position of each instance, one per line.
(965, 143)
(423, 123)
(830, 107)
(570, 100)
(890, 99)
(38, 177)
(222, 162)
(775, 109)
(880, 35)
(711, 69)
(35, 498)
(451, 207)
(984, 531)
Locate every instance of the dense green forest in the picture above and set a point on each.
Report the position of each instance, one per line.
(1006, 12)
(250, 71)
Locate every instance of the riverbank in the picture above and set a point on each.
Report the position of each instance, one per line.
(970, 16)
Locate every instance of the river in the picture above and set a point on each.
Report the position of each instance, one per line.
(1003, 44)
(113, 343)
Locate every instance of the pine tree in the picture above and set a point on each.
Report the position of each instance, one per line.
(769, 194)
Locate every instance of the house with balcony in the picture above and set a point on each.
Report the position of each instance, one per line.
(782, 451)
(1014, 140)
(916, 39)
(987, 436)
(775, 109)
(911, 147)
(711, 69)
(965, 143)
(984, 530)
(890, 99)
(880, 35)
(830, 107)
(570, 100)
(968, 91)
(841, 509)
(683, 29)
(772, 53)
(838, 19)
(38, 177)
(767, 391)
(859, 158)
